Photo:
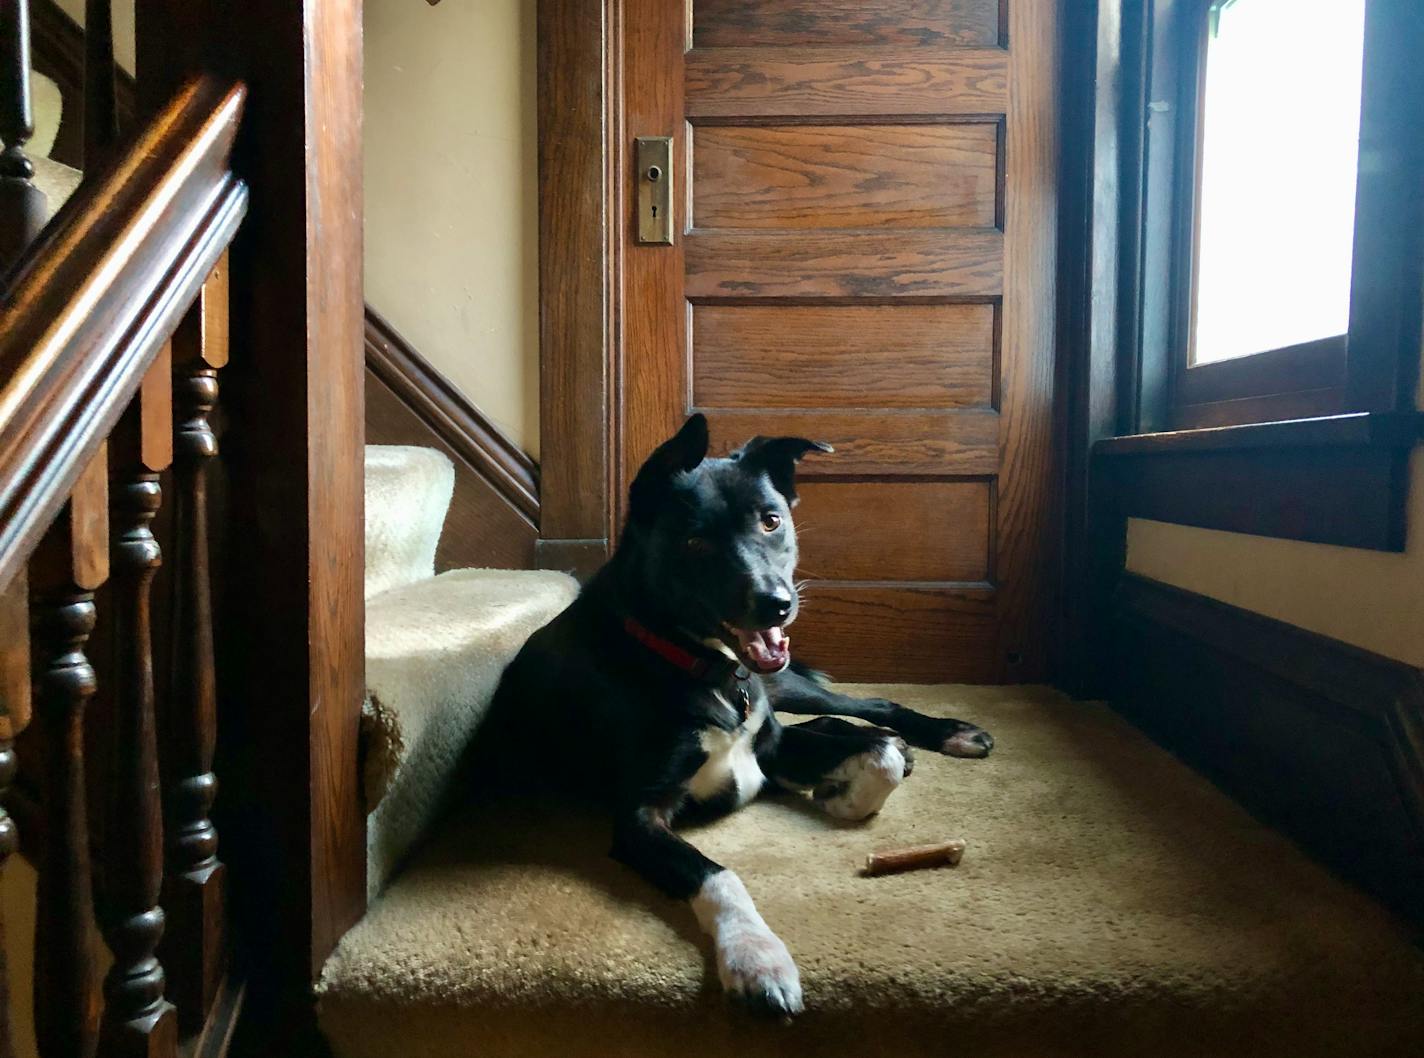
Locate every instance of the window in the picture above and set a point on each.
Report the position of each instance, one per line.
(1259, 202)
(1253, 193)
(1277, 154)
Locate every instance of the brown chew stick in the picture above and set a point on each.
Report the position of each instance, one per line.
(892, 861)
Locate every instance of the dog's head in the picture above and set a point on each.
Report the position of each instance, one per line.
(713, 539)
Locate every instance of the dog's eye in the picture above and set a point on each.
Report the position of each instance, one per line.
(698, 545)
(770, 522)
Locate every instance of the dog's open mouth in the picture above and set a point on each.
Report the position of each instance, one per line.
(763, 650)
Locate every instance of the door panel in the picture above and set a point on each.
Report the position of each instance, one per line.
(864, 256)
(842, 356)
(834, 176)
(784, 23)
(790, 82)
(894, 530)
(966, 262)
(881, 633)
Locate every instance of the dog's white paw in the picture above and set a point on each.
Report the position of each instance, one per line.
(860, 786)
(752, 962)
(755, 967)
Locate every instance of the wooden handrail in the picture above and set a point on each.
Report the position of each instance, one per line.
(93, 300)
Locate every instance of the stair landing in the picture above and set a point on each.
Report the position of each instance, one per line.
(1111, 903)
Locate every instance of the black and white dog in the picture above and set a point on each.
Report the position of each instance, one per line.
(655, 690)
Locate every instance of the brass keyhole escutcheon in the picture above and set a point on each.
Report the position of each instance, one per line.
(653, 173)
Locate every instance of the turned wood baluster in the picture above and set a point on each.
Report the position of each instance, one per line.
(101, 111)
(137, 1020)
(193, 892)
(22, 204)
(69, 565)
(14, 717)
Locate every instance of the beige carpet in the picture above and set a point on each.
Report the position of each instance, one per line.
(435, 649)
(1111, 903)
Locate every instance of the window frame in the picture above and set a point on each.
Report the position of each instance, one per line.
(1316, 378)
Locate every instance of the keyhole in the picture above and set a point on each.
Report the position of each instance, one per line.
(655, 213)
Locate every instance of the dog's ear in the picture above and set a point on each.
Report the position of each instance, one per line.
(683, 451)
(777, 458)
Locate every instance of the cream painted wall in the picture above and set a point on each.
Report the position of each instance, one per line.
(451, 206)
(1371, 599)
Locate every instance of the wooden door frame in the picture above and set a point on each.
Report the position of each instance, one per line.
(580, 150)
(581, 154)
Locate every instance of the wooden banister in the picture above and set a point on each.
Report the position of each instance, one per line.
(98, 293)
(135, 263)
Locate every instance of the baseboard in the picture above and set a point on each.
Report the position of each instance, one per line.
(494, 515)
(1319, 738)
(579, 557)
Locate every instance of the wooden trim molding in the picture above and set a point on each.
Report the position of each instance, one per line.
(1320, 738)
(1339, 479)
(451, 416)
(1352, 430)
(580, 149)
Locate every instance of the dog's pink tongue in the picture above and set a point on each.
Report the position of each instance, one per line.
(768, 650)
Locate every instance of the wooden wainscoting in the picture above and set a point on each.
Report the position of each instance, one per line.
(494, 514)
(1321, 739)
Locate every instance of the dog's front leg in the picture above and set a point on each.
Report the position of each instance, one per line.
(798, 691)
(850, 770)
(752, 962)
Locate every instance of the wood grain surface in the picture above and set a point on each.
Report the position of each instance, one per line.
(957, 262)
(576, 337)
(1027, 497)
(894, 530)
(890, 632)
(739, 23)
(844, 176)
(870, 80)
(868, 261)
(869, 441)
(842, 356)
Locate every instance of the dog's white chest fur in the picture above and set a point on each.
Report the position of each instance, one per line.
(731, 763)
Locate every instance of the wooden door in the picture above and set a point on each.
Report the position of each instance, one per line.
(865, 200)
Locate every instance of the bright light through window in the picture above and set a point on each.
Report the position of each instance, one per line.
(1281, 132)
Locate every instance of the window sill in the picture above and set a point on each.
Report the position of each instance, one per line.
(1367, 429)
(1337, 479)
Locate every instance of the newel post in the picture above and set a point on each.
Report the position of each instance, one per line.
(287, 524)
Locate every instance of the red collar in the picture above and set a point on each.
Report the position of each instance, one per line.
(729, 676)
(698, 667)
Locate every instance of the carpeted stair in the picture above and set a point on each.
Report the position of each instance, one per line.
(435, 647)
(1111, 902)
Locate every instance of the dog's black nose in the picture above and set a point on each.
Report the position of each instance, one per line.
(772, 607)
